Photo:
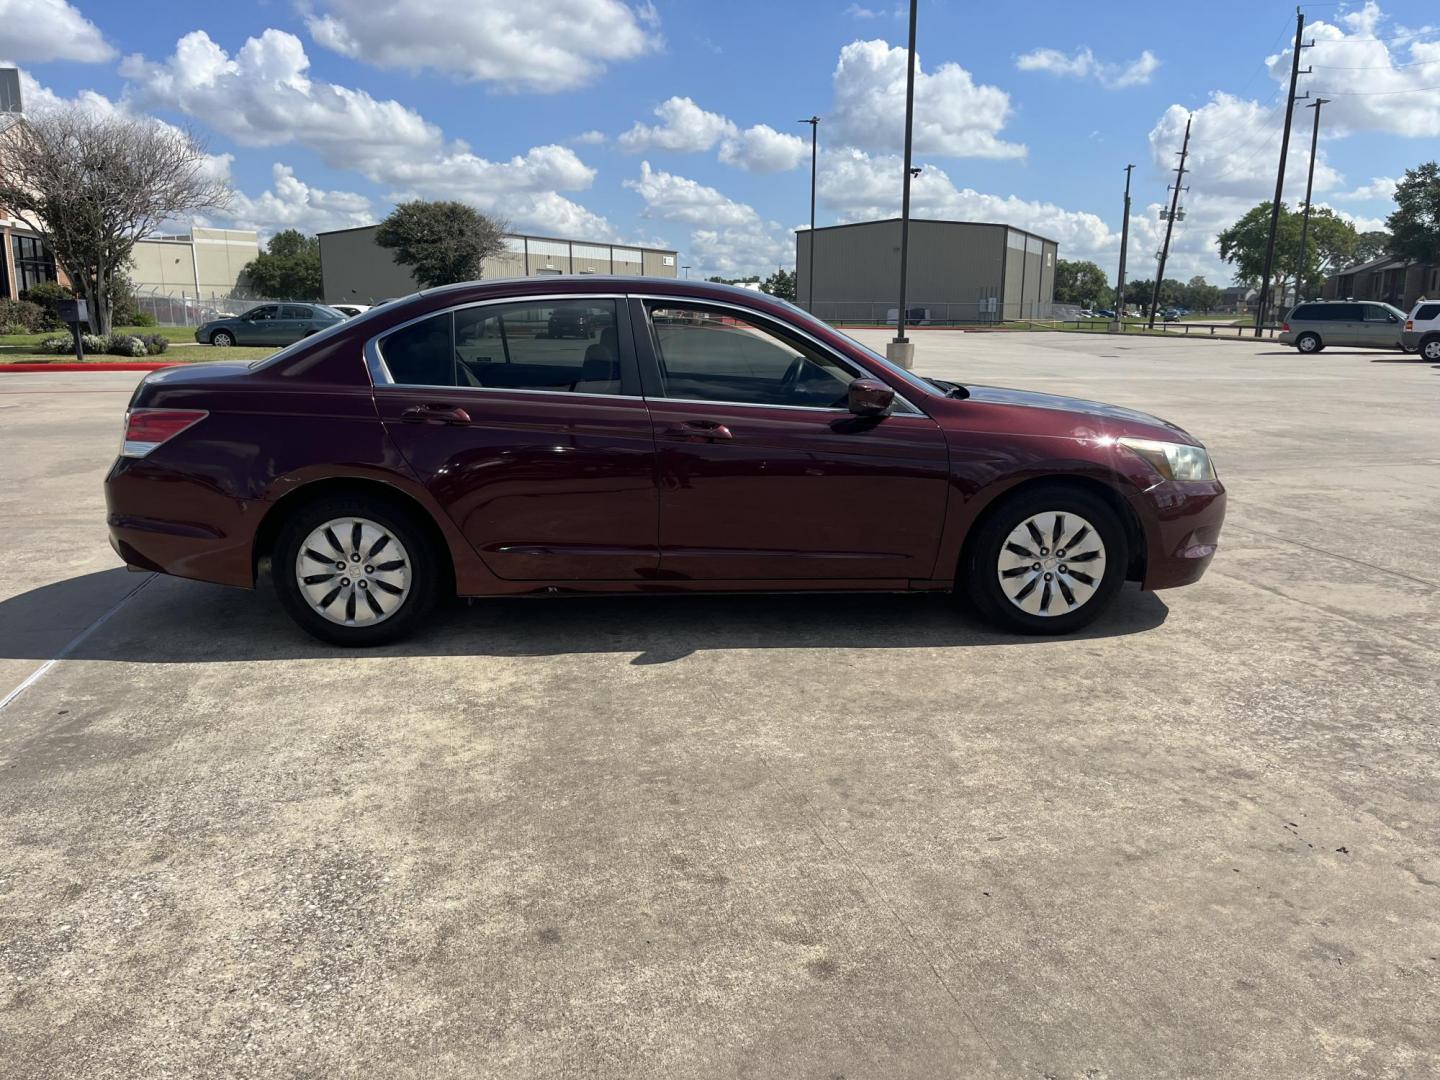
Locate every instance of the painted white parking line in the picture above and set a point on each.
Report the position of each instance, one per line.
(74, 643)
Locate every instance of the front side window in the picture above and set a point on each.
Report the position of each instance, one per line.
(1379, 313)
(718, 355)
(263, 314)
(561, 346)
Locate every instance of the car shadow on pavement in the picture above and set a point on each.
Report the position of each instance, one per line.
(170, 621)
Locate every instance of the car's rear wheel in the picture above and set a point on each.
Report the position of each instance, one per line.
(1309, 343)
(355, 572)
(1430, 348)
(1046, 561)
(223, 338)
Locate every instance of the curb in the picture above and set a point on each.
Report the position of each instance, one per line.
(103, 366)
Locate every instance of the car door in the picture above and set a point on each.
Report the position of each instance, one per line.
(540, 450)
(1344, 324)
(257, 326)
(296, 321)
(764, 474)
(1380, 327)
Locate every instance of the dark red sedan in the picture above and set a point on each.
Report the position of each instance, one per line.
(700, 438)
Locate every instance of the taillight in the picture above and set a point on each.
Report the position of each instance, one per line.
(145, 429)
(1409, 324)
(1285, 327)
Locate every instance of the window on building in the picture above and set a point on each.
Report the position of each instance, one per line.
(33, 262)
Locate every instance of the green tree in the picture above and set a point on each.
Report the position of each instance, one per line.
(441, 242)
(1415, 224)
(780, 284)
(289, 268)
(1199, 295)
(1370, 245)
(1330, 243)
(752, 279)
(1081, 283)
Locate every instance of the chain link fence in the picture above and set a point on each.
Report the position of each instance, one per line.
(187, 309)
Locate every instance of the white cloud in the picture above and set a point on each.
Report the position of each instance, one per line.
(687, 128)
(677, 198)
(856, 11)
(1082, 64)
(729, 237)
(1374, 84)
(762, 149)
(1379, 189)
(515, 44)
(590, 138)
(264, 96)
(42, 30)
(292, 204)
(684, 127)
(953, 115)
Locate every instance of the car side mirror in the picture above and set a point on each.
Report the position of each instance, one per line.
(870, 397)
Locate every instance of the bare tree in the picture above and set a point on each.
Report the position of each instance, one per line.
(93, 184)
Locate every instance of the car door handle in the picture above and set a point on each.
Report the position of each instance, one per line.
(435, 414)
(700, 429)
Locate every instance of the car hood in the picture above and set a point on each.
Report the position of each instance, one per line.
(1116, 419)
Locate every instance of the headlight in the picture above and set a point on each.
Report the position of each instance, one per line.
(1173, 461)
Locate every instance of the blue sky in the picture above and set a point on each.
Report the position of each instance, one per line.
(674, 121)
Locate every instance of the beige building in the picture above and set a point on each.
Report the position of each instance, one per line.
(200, 263)
(960, 271)
(356, 270)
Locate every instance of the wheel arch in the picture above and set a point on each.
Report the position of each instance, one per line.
(1113, 497)
(355, 486)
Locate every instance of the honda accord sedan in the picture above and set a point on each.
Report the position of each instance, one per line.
(708, 439)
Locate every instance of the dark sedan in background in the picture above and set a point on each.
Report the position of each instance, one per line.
(707, 439)
(269, 324)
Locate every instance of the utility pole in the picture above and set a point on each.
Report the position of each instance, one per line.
(814, 123)
(1309, 187)
(901, 351)
(1170, 222)
(1261, 309)
(1119, 321)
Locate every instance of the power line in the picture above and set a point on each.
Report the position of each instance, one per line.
(1380, 93)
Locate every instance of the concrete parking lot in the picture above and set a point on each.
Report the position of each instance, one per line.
(750, 837)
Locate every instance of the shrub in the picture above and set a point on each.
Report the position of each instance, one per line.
(144, 318)
(29, 317)
(56, 345)
(155, 344)
(124, 345)
(48, 294)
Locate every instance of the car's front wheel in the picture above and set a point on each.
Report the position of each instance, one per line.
(1048, 560)
(223, 338)
(355, 572)
(1309, 343)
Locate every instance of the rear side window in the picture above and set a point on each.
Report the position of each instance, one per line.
(420, 354)
(291, 311)
(1426, 312)
(1308, 313)
(556, 345)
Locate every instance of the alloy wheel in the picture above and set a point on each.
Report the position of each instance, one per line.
(1051, 563)
(1431, 349)
(353, 571)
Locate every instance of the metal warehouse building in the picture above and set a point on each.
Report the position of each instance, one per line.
(960, 271)
(357, 270)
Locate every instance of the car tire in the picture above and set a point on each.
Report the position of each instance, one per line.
(1430, 348)
(1027, 594)
(223, 338)
(1309, 343)
(359, 611)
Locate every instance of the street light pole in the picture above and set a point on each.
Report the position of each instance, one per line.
(687, 270)
(814, 123)
(1119, 321)
(901, 351)
(1309, 187)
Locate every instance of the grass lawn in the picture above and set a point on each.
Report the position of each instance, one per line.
(172, 333)
(20, 354)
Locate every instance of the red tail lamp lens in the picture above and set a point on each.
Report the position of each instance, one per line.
(145, 429)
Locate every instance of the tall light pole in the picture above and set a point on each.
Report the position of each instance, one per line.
(814, 123)
(1119, 321)
(1170, 220)
(1261, 309)
(901, 351)
(687, 270)
(1309, 187)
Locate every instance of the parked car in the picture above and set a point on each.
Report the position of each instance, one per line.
(1422, 330)
(1104, 313)
(443, 445)
(1313, 325)
(269, 324)
(1170, 315)
(350, 310)
(572, 322)
(1085, 313)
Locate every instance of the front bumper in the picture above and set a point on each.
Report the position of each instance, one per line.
(1181, 521)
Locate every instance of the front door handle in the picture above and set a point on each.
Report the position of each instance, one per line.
(700, 429)
(435, 414)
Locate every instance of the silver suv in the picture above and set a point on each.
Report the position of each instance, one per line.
(1422, 330)
(1317, 323)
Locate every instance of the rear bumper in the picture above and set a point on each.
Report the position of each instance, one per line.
(1182, 530)
(212, 541)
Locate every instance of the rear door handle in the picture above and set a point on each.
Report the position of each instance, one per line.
(435, 414)
(700, 429)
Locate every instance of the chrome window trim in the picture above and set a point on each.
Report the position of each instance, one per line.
(380, 374)
(844, 361)
(517, 390)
